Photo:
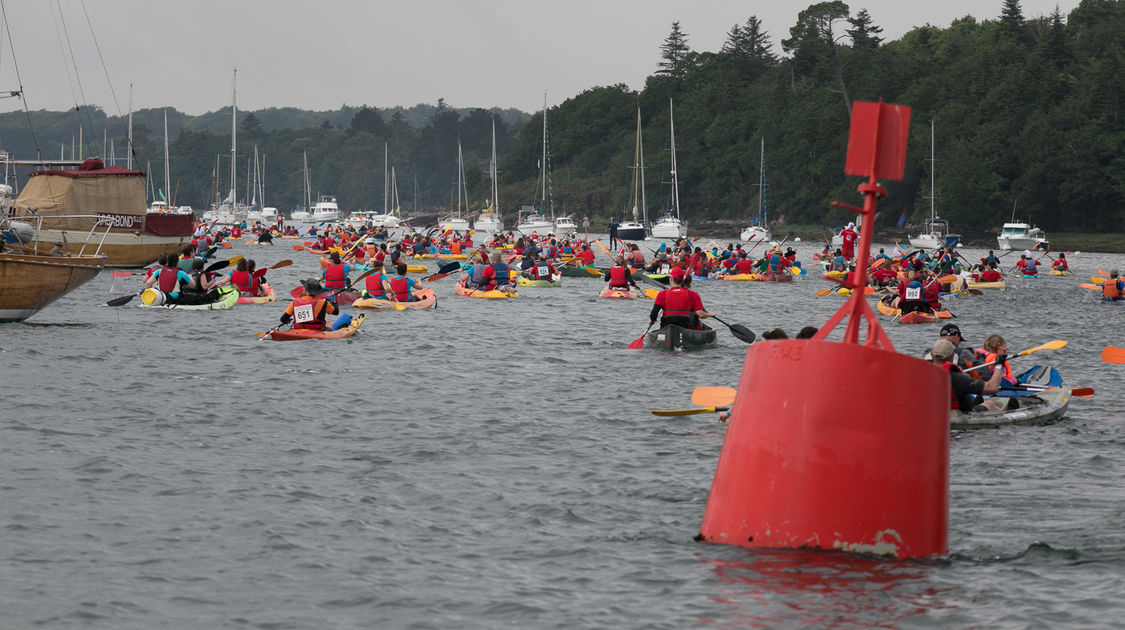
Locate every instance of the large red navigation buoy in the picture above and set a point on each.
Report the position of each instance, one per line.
(839, 445)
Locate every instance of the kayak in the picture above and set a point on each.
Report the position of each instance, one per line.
(152, 298)
(302, 333)
(617, 293)
(1030, 408)
(453, 256)
(999, 284)
(523, 281)
(742, 277)
(494, 294)
(426, 299)
(677, 338)
(1056, 272)
(269, 296)
(918, 317)
(1113, 301)
(324, 262)
(571, 271)
(343, 298)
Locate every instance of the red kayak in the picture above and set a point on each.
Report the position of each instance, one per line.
(343, 298)
(304, 333)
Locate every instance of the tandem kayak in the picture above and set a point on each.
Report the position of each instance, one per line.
(1030, 408)
(303, 333)
(426, 299)
(618, 293)
(268, 296)
(151, 298)
(677, 338)
(494, 294)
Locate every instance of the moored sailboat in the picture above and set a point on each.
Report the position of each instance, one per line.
(537, 221)
(760, 230)
(670, 225)
(636, 230)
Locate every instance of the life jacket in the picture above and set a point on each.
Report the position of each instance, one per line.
(502, 273)
(169, 280)
(245, 281)
(401, 288)
(990, 275)
(1110, 289)
(839, 264)
(617, 278)
(954, 400)
(638, 258)
(308, 313)
(455, 248)
(677, 301)
(335, 276)
(1031, 268)
(185, 264)
(541, 271)
(775, 262)
(1007, 367)
(913, 292)
(744, 265)
(374, 284)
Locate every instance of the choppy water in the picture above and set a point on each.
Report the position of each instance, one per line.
(493, 465)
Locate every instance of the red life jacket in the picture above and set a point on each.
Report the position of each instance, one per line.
(168, 281)
(677, 301)
(375, 286)
(949, 369)
(308, 312)
(617, 278)
(245, 282)
(335, 277)
(401, 289)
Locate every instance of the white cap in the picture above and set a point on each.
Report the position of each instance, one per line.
(1027, 252)
(851, 225)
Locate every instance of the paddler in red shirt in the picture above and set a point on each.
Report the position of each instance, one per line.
(680, 305)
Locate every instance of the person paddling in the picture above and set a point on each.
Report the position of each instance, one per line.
(169, 278)
(401, 286)
(619, 277)
(376, 285)
(964, 390)
(336, 273)
(308, 312)
(1113, 289)
(680, 305)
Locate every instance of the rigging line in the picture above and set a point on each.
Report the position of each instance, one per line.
(63, 49)
(19, 80)
(100, 57)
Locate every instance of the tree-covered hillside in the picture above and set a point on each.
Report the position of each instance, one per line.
(1027, 113)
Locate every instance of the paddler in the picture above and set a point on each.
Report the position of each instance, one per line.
(243, 278)
(402, 287)
(201, 289)
(544, 269)
(1113, 288)
(619, 277)
(473, 274)
(848, 238)
(966, 357)
(1060, 263)
(964, 390)
(497, 275)
(169, 278)
(376, 284)
(308, 312)
(680, 305)
(336, 273)
(995, 349)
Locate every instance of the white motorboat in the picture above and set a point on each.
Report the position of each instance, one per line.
(325, 210)
(534, 222)
(565, 225)
(299, 215)
(760, 231)
(1018, 235)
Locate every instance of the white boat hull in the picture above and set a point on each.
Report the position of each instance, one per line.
(669, 229)
(755, 233)
(490, 226)
(564, 226)
(1017, 242)
(454, 225)
(926, 241)
(540, 227)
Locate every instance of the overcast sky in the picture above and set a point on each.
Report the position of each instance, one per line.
(321, 54)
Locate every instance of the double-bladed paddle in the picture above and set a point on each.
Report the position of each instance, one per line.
(686, 412)
(124, 299)
(1050, 345)
(443, 271)
(278, 265)
(351, 284)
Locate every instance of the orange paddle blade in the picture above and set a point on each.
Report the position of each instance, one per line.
(945, 315)
(298, 248)
(823, 292)
(1092, 287)
(226, 244)
(1112, 354)
(713, 396)
(1082, 392)
(1103, 272)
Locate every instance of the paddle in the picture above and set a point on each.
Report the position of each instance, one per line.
(124, 299)
(1077, 392)
(222, 264)
(686, 412)
(713, 396)
(1050, 345)
(278, 265)
(443, 271)
(1113, 354)
(639, 343)
(1092, 287)
(738, 330)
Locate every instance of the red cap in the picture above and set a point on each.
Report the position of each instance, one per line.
(677, 273)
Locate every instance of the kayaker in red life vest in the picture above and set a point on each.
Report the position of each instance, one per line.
(544, 269)
(682, 306)
(1060, 264)
(308, 312)
(243, 278)
(963, 389)
(990, 274)
(336, 273)
(377, 285)
(401, 286)
(619, 277)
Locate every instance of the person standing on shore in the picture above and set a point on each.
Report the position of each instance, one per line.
(612, 232)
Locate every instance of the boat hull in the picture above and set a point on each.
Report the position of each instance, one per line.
(618, 294)
(228, 297)
(297, 334)
(426, 299)
(521, 281)
(29, 282)
(270, 296)
(677, 338)
(120, 248)
(1038, 408)
(631, 232)
(477, 293)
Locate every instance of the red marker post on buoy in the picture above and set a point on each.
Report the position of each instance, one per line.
(858, 461)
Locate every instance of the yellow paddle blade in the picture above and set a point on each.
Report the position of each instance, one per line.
(400, 307)
(1050, 345)
(713, 396)
(651, 293)
(1112, 354)
(947, 279)
(1097, 280)
(684, 412)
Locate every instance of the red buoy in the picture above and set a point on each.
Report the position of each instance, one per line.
(839, 445)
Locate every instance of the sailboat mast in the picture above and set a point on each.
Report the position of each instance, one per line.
(167, 170)
(460, 177)
(308, 184)
(932, 169)
(675, 182)
(233, 135)
(641, 166)
(762, 220)
(129, 154)
(543, 166)
(385, 180)
(492, 173)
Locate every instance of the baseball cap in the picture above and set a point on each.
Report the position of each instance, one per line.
(677, 273)
(943, 349)
(952, 329)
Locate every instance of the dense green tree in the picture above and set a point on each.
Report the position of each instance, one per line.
(673, 51)
(864, 32)
(813, 42)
